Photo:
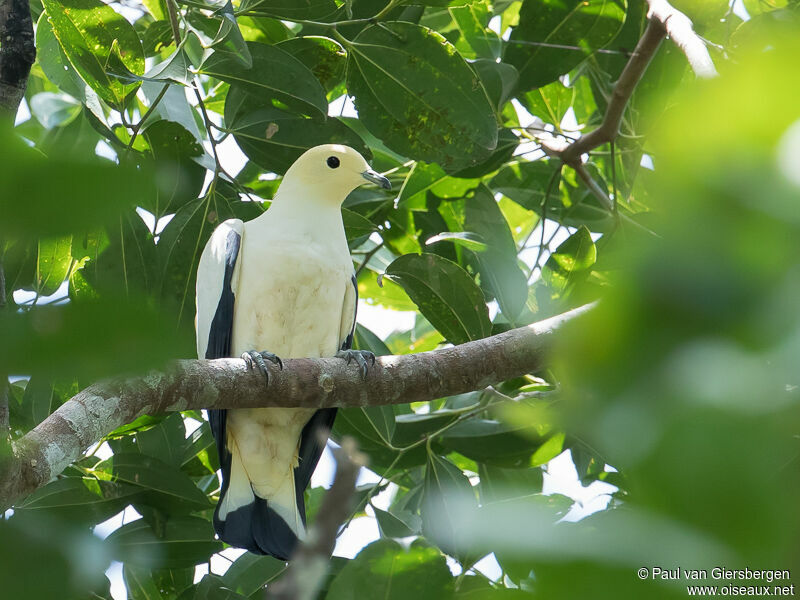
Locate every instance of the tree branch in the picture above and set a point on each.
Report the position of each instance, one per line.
(679, 29)
(309, 564)
(663, 20)
(623, 89)
(17, 54)
(226, 383)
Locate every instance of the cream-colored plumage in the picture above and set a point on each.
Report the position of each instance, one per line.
(294, 297)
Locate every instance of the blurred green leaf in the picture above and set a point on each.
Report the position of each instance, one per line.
(384, 569)
(87, 339)
(447, 490)
(445, 294)
(72, 198)
(396, 73)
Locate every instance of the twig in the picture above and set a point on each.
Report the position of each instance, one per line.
(309, 564)
(679, 29)
(17, 54)
(367, 258)
(304, 382)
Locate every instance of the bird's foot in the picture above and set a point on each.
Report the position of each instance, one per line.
(254, 357)
(360, 356)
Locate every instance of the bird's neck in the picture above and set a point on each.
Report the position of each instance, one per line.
(306, 212)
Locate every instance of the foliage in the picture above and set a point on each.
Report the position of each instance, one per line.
(683, 379)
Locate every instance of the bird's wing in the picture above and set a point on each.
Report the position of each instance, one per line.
(311, 445)
(217, 278)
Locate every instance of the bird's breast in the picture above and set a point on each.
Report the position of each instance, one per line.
(290, 299)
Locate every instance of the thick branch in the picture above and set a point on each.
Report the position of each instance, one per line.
(226, 383)
(310, 562)
(679, 29)
(17, 53)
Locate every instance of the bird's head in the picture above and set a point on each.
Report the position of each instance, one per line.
(331, 172)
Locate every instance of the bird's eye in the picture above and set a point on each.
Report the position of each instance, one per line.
(333, 162)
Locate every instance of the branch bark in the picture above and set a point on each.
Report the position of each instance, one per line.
(226, 383)
(17, 54)
(680, 30)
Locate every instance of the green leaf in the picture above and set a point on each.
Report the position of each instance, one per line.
(163, 486)
(250, 573)
(83, 500)
(186, 542)
(229, 38)
(396, 72)
(140, 583)
(54, 110)
(447, 494)
(325, 57)
(184, 238)
(527, 184)
(492, 441)
(38, 399)
(53, 263)
(472, 21)
(211, 587)
(166, 441)
(536, 46)
(275, 74)
(179, 178)
(424, 177)
(54, 62)
(385, 570)
(398, 524)
(550, 103)
(466, 239)
(445, 294)
(498, 266)
(498, 78)
(89, 31)
(572, 261)
(274, 138)
(291, 9)
(356, 228)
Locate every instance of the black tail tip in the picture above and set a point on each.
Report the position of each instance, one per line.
(257, 528)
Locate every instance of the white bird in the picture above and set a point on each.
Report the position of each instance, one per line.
(279, 285)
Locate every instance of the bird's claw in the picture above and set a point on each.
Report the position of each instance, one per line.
(252, 357)
(360, 356)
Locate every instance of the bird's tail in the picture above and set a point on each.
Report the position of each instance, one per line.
(244, 518)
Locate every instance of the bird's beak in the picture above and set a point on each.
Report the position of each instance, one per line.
(377, 179)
